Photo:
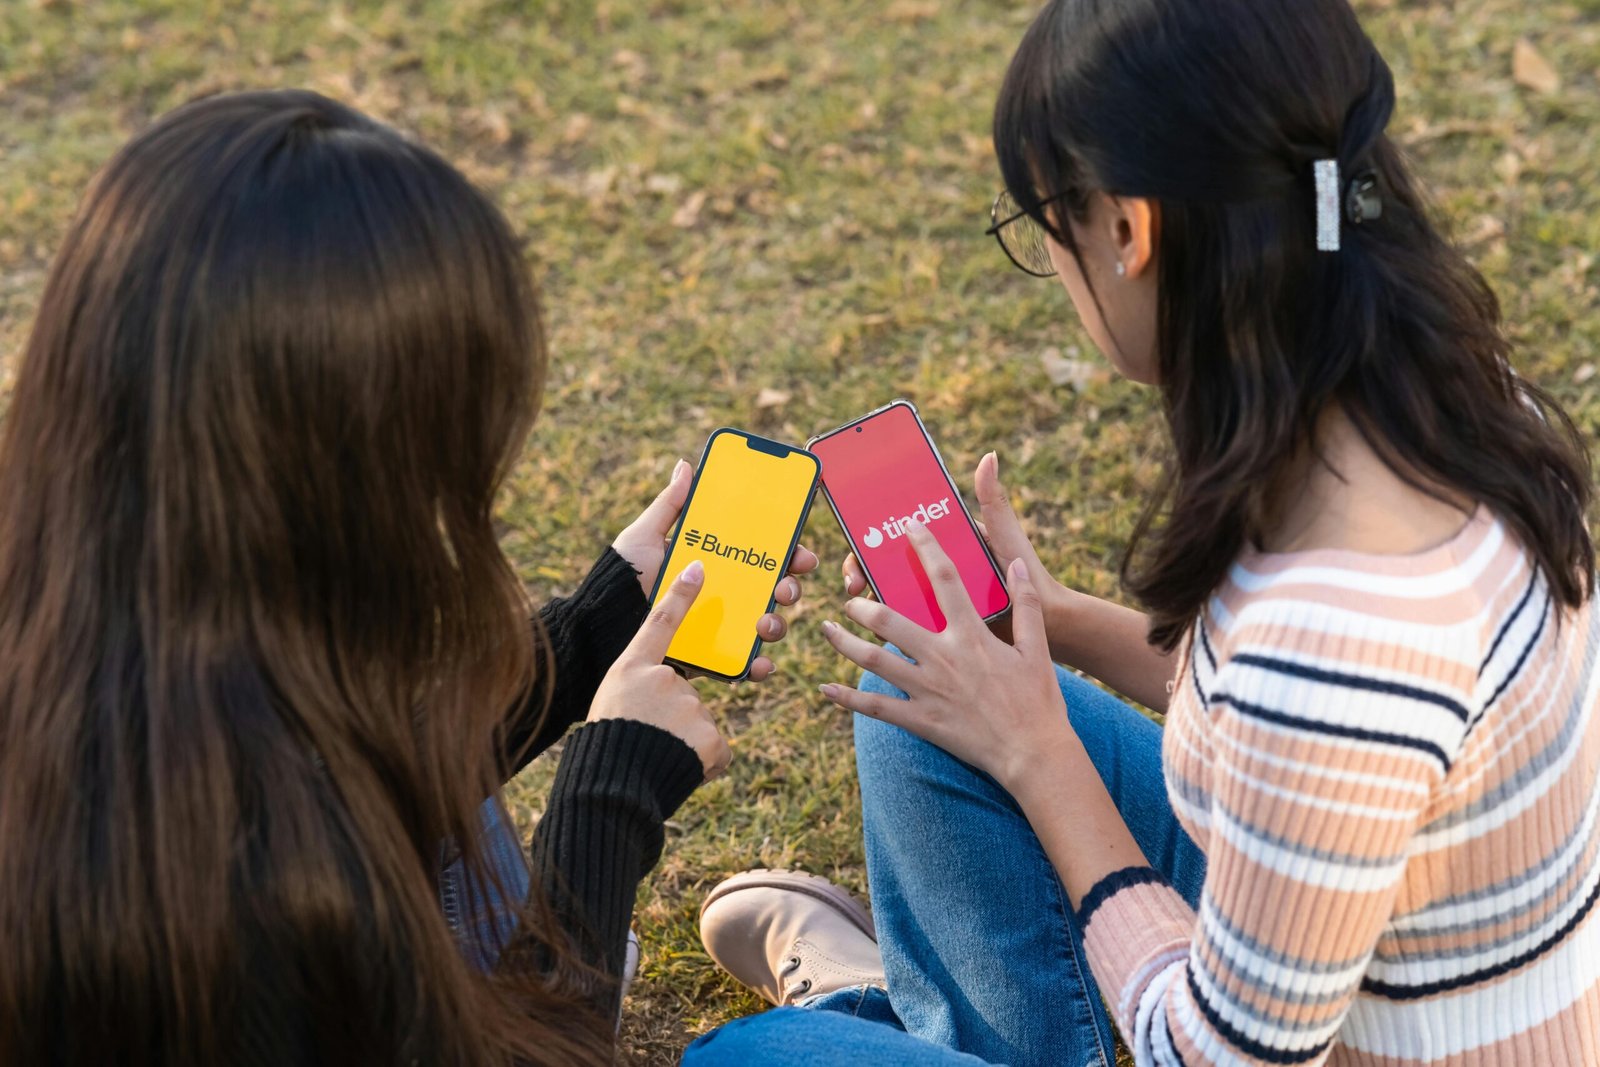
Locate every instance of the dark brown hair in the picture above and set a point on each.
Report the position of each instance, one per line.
(1217, 112)
(256, 634)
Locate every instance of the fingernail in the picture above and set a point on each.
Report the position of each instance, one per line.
(828, 690)
(677, 471)
(996, 456)
(828, 626)
(1019, 570)
(694, 573)
(913, 524)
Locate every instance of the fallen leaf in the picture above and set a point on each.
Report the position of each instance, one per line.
(688, 214)
(1509, 168)
(1077, 373)
(772, 398)
(578, 127)
(598, 183)
(770, 77)
(911, 10)
(1531, 70)
(496, 125)
(1486, 228)
(664, 184)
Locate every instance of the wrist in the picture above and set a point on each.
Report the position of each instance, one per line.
(1061, 608)
(1039, 762)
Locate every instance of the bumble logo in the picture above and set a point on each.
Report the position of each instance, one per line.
(895, 528)
(709, 544)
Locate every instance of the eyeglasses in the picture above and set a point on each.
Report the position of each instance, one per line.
(1021, 237)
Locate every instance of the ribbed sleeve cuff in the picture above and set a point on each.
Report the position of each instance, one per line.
(1110, 884)
(609, 606)
(1134, 924)
(619, 757)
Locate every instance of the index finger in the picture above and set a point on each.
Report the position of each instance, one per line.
(650, 644)
(954, 600)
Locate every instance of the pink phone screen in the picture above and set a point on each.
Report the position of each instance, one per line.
(882, 472)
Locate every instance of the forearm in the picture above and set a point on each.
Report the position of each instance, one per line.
(1108, 641)
(584, 634)
(602, 831)
(1072, 814)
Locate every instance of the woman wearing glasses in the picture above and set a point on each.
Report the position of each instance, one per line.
(1367, 833)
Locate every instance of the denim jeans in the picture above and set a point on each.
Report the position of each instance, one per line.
(478, 916)
(982, 950)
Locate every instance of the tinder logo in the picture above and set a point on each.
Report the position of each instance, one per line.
(893, 528)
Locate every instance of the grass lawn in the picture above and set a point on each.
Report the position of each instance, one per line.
(770, 215)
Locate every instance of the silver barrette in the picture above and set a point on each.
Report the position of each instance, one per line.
(1328, 206)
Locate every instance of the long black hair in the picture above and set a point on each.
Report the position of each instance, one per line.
(1217, 112)
(257, 634)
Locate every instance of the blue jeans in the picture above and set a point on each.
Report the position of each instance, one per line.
(982, 950)
(480, 918)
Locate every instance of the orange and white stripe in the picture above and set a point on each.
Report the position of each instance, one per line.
(1393, 766)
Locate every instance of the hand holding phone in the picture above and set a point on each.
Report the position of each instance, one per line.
(746, 507)
(879, 473)
(644, 545)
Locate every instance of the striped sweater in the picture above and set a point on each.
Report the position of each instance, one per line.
(1393, 767)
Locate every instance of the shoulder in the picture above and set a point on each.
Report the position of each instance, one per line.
(1387, 649)
(1444, 597)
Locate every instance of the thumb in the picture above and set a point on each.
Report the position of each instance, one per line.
(668, 504)
(1002, 528)
(1027, 610)
(650, 644)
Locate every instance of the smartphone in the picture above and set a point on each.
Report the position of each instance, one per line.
(880, 472)
(742, 521)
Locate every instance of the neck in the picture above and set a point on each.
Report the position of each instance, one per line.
(1340, 493)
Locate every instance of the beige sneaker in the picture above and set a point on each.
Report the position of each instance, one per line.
(790, 935)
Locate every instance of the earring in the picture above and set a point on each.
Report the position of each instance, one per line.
(1122, 269)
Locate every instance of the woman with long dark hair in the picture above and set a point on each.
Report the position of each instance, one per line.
(1368, 832)
(261, 656)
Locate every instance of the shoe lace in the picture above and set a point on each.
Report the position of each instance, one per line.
(791, 965)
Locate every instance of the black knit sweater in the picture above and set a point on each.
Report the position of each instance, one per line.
(618, 781)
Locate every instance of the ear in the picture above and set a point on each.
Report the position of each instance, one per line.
(1135, 227)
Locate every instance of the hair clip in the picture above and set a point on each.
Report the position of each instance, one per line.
(1327, 175)
(1363, 203)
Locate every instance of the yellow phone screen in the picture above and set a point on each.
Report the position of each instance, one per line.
(743, 518)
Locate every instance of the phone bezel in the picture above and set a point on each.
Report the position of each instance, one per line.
(944, 469)
(695, 670)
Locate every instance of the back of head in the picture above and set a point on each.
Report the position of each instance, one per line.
(1218, 113)
(256, 634)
